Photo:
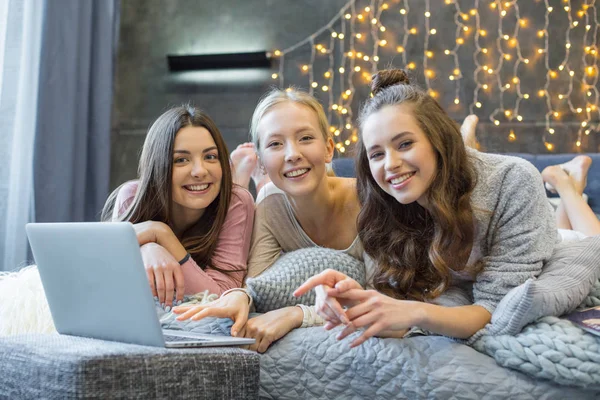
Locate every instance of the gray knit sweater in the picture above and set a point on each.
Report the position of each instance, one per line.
(515, 231)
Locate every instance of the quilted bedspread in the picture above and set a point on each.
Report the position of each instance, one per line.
(310, 363)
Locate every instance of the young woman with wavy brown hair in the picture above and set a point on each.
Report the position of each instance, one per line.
(193, 224)
(451, 229)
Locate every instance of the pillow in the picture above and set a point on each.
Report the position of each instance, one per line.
(565, 282)
(273, 288)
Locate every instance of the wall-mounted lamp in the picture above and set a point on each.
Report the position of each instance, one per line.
(260, 59)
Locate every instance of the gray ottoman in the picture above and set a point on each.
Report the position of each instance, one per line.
(67, 367)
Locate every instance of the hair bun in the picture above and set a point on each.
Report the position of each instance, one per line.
(388, 77)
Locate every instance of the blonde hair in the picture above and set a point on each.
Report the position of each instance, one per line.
(277, 96)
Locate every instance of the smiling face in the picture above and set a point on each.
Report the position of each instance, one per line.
(293, 149)
(197, 173)
(401, 158)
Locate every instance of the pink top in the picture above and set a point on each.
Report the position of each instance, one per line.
(232, 247)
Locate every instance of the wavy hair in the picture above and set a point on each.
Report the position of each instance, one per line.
(416, 248)
(153, 199)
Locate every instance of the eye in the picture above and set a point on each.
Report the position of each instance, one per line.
(376, 155)
(406, 144)
(212, 157)
(306, 138)
(273, 144)
(179, 160)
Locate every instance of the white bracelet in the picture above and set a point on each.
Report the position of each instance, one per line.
(239, 290)
(309, 316)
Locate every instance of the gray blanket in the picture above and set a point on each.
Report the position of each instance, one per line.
(310, 363)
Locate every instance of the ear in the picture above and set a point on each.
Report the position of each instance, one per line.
(330, 149)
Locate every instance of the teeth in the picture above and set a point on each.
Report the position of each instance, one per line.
(197, 188)
(297, 172)
(401, 178)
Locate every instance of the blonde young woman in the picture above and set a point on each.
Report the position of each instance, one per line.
(303, 206)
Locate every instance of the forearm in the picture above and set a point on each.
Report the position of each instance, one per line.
(167, 239)
(459, 322)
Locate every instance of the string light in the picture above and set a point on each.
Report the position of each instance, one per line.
(349, 46)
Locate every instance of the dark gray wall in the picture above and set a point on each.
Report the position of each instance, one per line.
(151, 29)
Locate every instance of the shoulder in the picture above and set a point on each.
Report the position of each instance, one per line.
(239, 195)
(501, 173)
(270, 194)
(125, 193)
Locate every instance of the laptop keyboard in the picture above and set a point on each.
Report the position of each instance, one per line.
(170, 338)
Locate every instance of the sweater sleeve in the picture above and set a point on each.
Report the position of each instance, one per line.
(231, 253)
(521, 235)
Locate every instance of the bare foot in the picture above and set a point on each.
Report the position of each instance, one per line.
(557, 178)
(244, 162)
(468, 130)
(577, 169)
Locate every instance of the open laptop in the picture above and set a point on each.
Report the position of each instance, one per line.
(96, 285)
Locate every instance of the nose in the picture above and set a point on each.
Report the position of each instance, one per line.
(392, 161)
(292, 154)
(199, 170)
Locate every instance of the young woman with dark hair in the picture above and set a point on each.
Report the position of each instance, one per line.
(451, 230)
(193, 224)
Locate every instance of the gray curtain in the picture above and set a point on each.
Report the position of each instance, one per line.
(72, 142)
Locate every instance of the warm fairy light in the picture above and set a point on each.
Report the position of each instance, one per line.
(508, 46)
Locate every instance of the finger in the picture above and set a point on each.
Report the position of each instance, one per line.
(239, 322)
(355, 294)
(182, 309)
(216, 312)
(358, 310)
(327, 277)
(330, 325)
(346, 331)
(160, 285)
(337, 310)
(264, 345)
(346, 284)
(169, 287)
(150, 275)
(327, 314)
(372, 331)
(179, 284)
(188, 312)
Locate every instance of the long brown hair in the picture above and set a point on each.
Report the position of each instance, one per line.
(415, 248)
(153, 199)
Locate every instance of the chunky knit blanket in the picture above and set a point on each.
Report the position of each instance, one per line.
(551, 348)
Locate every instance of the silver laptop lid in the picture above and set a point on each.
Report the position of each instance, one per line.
(95, 281)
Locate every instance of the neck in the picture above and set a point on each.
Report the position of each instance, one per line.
(183, 219)
(315, 206)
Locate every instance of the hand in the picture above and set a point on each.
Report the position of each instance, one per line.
(164, 273)
(379, 312)
(233, 305)
(327, 285)
(272, 326)
(150, 231)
